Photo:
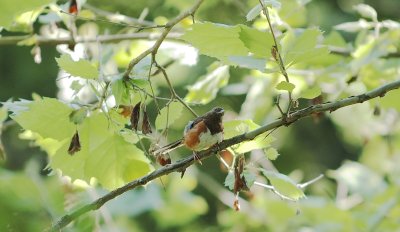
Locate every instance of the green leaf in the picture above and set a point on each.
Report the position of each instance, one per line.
(104, 155)
(122, 92)
(10, 10)
(47, 117)
(30, 41)
(248, 62)
(142, 83)
(259, 43)
(76, 85)
(168, 115)
(311, 93)
(272, 153)
(24, 22)
(359, 179)
(77, 116)
(334, 38)
(283, 85)
(359, 25)
(390, 100)
(81, 68)
(249, 177)
(216, 40)
(207, 88)
(370, 51)
(255, 11)
(366, 11)
(303, 47)
(3, 114)
(230, 180)
(284, 185)
(293, 12)
(238, 127)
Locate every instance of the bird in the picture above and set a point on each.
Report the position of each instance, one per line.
(199, 134)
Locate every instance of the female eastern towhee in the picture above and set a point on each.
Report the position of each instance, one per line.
(199, 134)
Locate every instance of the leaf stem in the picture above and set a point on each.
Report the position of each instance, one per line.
(278, 55)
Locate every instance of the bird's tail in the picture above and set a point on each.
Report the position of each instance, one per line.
(167, 148)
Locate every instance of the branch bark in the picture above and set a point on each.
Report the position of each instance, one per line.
(153, 50)
(182, 164)
(42, 40)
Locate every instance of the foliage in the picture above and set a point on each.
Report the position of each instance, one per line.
(260, 65)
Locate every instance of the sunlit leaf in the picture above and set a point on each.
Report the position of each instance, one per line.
(293, 12)
(358, 178)
(249, 177)
(122, 92)
(104, 155)
(366, 11)
(229, 180)
(272, 153)
(24, 22)
(284, 85)
(390, 100)
(259, 43)
(284, 185)
(359, 25)
(80, 68)
(369, 51)
(168, 115)
(311, 93)
(77, 116)
(10, 10)
(302, 47)
(48, 117)
(237, 127)
(255, 11)
(216, 40)
(30, 41)
(207, 88)
(248, 62)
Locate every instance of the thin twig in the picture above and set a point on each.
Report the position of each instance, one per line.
(302, 185)
(153, 50)
(278, 56)
(182, 164)
(174, 95)
(121, 17)
(312, 181)
(44, 40)
(140, 28)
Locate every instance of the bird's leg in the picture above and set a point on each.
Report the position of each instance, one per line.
(196, 157)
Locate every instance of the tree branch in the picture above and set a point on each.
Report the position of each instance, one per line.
(42, 40)
(153, 50)
(186, 162)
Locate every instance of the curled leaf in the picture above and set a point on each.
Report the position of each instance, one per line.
(240, 181)
(135, 116)
(75, 144)
(146, 128)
